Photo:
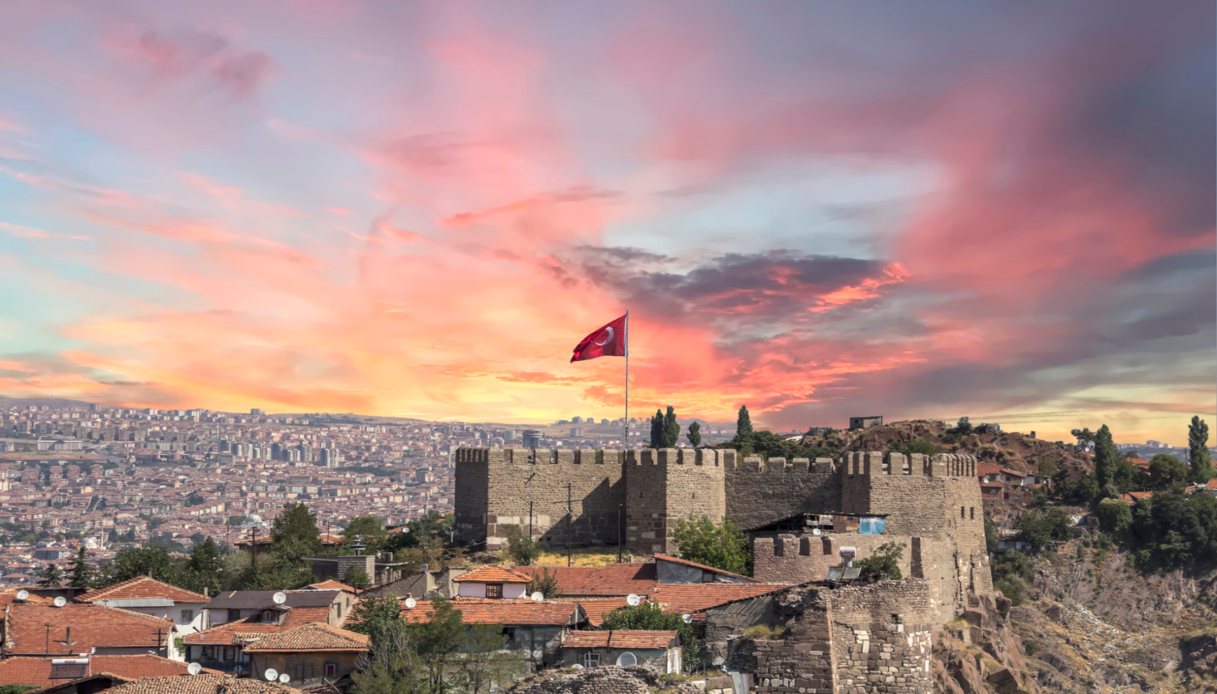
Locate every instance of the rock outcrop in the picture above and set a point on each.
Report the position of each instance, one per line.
(981, 652)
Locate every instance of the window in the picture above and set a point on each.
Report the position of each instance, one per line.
(591, 659)
(233, 615)
(187, 616)
(331, 670)
(627, 659)
(494, 590)
(961, 510)
(972, 513)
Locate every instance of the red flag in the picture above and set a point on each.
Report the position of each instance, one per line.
(606, 341)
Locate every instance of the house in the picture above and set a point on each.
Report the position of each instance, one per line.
(1134, 498)
(862, 423)
(147, 595)
(84, 674)
(425, 583)
(492, 582)
(206, 683)
(533, 629)
(658, 650)
(47, 630)
(311, 654)
(613, 580)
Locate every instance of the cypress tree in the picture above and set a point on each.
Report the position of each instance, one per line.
(743, 425)
(1198, 450)
(1106, 462)
(671, 428)
(657, 430)
(694, 434)
(80, 574)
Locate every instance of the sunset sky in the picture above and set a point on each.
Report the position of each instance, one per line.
(1002, 210)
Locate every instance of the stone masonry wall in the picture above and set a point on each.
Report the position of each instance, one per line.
(667, 485)
(764, 491)
(791, 558)
(882, 637)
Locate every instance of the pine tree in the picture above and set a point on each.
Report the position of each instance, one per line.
(1106, 462)
(80, 574)
(657, 430)
(1198, 450)
(50, 576)
(671, 428)
(694, 434)
(743, 425)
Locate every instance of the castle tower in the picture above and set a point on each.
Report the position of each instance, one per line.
(667, 485)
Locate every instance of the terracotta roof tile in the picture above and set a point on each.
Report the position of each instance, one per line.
(331, 584)
(10, 596)
(692, 598)
(507, 612)
(493, 574)
(238, 632)
(36, 672)
(91, 626)
(620, 638)
(311, 637)
(201, 684)
(604, 581)
(595, 608)
(142, 587)
(685, 562)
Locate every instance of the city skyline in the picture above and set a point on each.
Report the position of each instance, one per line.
(985, 210)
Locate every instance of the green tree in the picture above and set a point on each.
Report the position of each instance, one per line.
(1106, 462)
(50, 577)
(1115, 516)
(883, 565)
(1039, 529)
(375, 617)
(133, 562)
(437, 643)
(1013, 574)
(921, 445)
(721, 545)
(294, 533)
(80, 572)
(743, 422)
(483, 663)
(657, 430)
(544, 582)
(963, 426)
(991, 537)
(521, 549)
(651, 617)
(1198, 451)
(1167, 472)
(694, 434)
(357, 577)
(671, 428)
(1083, 436)
(369, 529)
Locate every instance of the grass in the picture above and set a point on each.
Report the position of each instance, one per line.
(595, 556)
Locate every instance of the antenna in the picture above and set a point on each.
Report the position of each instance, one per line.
(285, 678)
(271, 674)
(686, 618)
(23, 595)
(60, 601)
(279, 597)
(537, 596)
(411, 603)
(632, 600)
(194, 668)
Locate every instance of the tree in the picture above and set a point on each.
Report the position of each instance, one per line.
(375, 616)
(991, 537)
(133, 562)
(651, 617)
(1106, 462)
(1083, 436)
(369, 529)
(437, 642)
(743, 423)
(521, 549)
(883, 565)
(722, 545)
(294, 534)
(1198, 451)
(657, 430)
(50, 576)
(80, 573)
(1039, 529)
(483, 663)
(671, 428)
(694, 434)
(1167, 472)
(963, 426)
(357, 577)
(1114, 516)
(545, 582)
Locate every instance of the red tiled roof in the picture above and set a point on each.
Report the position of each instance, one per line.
(605, 581)
(36, 672)
(91, 626)
(507, 612)
(238, 632)
(685, 562)
(331, 584)
(10, 596)
(310, 637)
(595, 608)
(141, 587)
(202, 684)
(1014, 473)
(493, 574)
(620, 638)
(985, 468)
(691, 598)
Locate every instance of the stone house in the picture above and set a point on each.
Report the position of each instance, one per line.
(657, 650)
(312, 654)
(492, 582)
(533, 629)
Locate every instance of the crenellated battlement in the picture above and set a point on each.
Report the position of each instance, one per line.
(867, 463)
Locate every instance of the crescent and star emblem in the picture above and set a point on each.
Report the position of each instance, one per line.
(608, 337)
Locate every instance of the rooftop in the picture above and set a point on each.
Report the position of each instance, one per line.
(506, 612)
(311, 637)
(140, 588)
(493, 574)
(76, 628)
(620, 638)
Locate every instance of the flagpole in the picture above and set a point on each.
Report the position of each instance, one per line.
(626, 444)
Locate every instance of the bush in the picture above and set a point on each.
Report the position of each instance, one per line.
(883, 565)
(1012, 574)
(521, 549)
(721, 545)
(1114, 516)
(650, 616)
(764, 631)
(1040, 529)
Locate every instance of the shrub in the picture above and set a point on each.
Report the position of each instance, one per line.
(764, 631)
(521, 549)
(883, 565)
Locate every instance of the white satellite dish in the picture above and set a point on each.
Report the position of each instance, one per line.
(815, 531)
(632, 600)
(23, 595)
(279, 597)
(627, 659)
(60, 601)
(194, 668)
(577, 666)
(537, 596)
(271, 674)
(285, 678)
(686, 618)
(411, 603)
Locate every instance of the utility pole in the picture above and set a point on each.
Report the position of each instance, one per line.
(253, 550)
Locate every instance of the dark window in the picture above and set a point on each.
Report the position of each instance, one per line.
(331, 669)
(494, 590)
(187, 616)
(961, 510)
(233, 615)
(972, 513)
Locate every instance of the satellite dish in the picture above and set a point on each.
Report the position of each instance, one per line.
(271, 674)
(60, 601)
(686, 618)
(537, 596)
(627, 659)
(577, 666)
(411, 603)
(632, 600)
(23, 595)
(815, 531)
(285, 678)
(280, 597)
(194, 668)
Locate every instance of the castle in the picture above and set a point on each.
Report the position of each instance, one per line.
(930, 505)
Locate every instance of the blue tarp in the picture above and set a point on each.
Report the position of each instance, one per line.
(871, 526)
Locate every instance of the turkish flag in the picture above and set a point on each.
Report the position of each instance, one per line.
(606, 341)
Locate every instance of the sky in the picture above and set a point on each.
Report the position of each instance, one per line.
(1000, 210)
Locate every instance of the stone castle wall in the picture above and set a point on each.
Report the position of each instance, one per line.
(667, 485)
(763, 491)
